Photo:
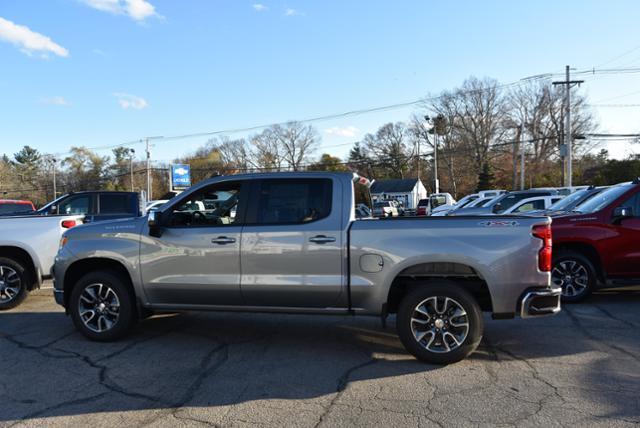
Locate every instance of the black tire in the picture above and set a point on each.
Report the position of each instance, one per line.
(80, 303)
(576, 265)
(13, 276)
(440, 290)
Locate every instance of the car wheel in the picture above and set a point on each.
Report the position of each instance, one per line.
(102, 306)
(575, 274)
(440, 323)
(14, 281)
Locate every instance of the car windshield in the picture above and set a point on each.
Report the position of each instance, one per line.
(45, 209)
(423, 202)
(10, 207)
(510, 199)
(569, 201)
(603, 199)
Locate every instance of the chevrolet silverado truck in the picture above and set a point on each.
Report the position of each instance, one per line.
(290, 242)
(597, 245)
(28, 246)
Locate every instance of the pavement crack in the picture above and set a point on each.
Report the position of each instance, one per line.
(341, 386)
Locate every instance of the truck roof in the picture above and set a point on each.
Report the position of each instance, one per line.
(15, 201)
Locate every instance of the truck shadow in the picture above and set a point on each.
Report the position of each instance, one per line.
(217, 360)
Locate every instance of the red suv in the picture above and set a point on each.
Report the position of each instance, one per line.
(598, 244)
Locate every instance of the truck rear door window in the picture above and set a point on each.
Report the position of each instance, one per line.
(114, 204)
(293, 201)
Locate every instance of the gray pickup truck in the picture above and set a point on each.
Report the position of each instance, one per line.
(290, 242)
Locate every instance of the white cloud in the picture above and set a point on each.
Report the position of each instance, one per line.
(260, 7)
(291, 12)
(29, 41)
(349, 131)
(138, 10)
(56, 101)
(131, 101)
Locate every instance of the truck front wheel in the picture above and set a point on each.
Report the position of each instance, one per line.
(102, 307)
(439, 322)
(14, 280)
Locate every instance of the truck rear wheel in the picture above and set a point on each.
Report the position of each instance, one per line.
(575, 274)
(102, 307)
(440, 322)
(14, 281)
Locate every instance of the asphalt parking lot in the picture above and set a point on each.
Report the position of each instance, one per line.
(579, 368)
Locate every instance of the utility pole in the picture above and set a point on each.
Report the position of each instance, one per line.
(53, 163)
(435, 160)
(567, 127)
(131, 153)
(148, 171)
(522, 157)
(148, 150)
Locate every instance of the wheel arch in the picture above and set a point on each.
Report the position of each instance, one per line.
(23, 256)
(587, 250)
(420, 274)
(82, 267)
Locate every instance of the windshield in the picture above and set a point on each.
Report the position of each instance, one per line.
(45, 209)
(423, 202)
(436, 201)
(10, 208)
(603, 199)
(569, 201)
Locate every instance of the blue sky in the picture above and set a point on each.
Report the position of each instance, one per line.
(105, 72)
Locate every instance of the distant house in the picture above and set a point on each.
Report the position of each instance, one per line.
(409, 191)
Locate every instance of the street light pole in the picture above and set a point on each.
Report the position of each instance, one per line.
(53, 162)
(131, 153)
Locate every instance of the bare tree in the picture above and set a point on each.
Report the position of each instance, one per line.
(298, 142)
(390, 148)
(235, 154)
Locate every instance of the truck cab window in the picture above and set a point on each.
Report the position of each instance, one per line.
(215, 205)
(293, 202)
(78, 205)
(114, 203)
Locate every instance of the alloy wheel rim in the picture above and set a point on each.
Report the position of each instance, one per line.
(440, 324)
(10, 284)
(99, 307)
(571, 276)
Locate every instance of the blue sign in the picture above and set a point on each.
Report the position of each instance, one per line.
(180, 176)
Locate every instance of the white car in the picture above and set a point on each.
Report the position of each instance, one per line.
(385, 209)
(535, 203)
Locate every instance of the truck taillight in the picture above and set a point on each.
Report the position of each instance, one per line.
(543, 231)
(68, 224)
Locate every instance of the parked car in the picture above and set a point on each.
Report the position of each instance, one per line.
(15, 207)
(444, 209)
(503, 202)
(28, 246)
(530, 204)
(435, 200)
(385, 209)
(96, 205)
(569, 203)
(423, 207)
(596, 246)
(301, 252)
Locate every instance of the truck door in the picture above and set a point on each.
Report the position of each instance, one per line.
(292, 245)
(623, 246)
(196, 258)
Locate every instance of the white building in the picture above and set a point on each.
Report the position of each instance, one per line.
(408, 191)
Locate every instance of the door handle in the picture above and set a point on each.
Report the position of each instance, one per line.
(223, 240)
(321, 239)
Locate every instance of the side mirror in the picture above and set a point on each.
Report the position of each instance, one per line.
(620, 213)
(153, 218)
